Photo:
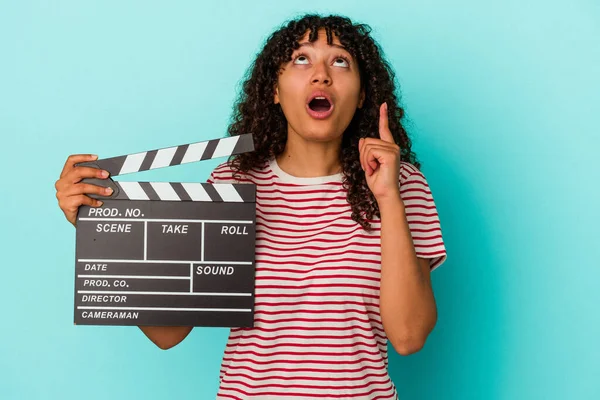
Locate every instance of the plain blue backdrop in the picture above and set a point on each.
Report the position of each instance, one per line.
(502, 101)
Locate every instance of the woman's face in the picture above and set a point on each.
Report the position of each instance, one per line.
(319, 89)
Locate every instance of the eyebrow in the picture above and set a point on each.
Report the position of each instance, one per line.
(311, 44)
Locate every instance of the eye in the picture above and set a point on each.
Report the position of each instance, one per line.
(343, 60)
(301, 59)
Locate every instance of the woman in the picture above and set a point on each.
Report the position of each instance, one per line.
(347, 231)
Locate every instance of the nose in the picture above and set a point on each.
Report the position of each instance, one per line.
(321, 74)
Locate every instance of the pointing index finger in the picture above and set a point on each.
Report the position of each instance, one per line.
(384, 130)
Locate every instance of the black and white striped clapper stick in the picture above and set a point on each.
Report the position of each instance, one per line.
(167, 253)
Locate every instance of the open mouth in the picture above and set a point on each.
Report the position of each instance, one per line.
(319, 104)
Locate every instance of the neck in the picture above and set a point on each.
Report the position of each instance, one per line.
(307, 159)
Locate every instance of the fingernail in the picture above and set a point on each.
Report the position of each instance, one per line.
(94, 157)
(104, 174)
(108, 190)
(385, 106)
(99, 203)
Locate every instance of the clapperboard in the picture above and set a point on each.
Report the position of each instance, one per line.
(167, 253)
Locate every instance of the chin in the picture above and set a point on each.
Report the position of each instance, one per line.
(320, 132)
(321, 136)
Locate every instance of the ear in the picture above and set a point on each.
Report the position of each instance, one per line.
(361, 99)
(276, 95)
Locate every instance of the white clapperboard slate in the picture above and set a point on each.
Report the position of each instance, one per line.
(167, 253)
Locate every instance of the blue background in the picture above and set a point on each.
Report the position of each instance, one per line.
(502, 100)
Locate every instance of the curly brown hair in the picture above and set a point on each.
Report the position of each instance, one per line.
(255, 111)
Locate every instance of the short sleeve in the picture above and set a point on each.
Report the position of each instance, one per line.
(422, 216)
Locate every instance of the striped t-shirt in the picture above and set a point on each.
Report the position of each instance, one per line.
(317, 330)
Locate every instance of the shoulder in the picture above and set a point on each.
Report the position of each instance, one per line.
(222, 173)
(410, 173)
(225, 173)
(413, 184)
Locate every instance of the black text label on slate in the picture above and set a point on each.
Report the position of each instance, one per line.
(226, 242)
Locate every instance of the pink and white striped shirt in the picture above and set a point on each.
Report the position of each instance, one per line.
(318, 332)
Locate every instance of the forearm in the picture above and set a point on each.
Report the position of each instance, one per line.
(407, 305)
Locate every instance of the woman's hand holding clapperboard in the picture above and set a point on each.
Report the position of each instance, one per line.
(71, 192)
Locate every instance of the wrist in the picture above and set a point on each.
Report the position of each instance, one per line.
(392, 202)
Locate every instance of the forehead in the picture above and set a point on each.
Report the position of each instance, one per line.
(321, 39)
